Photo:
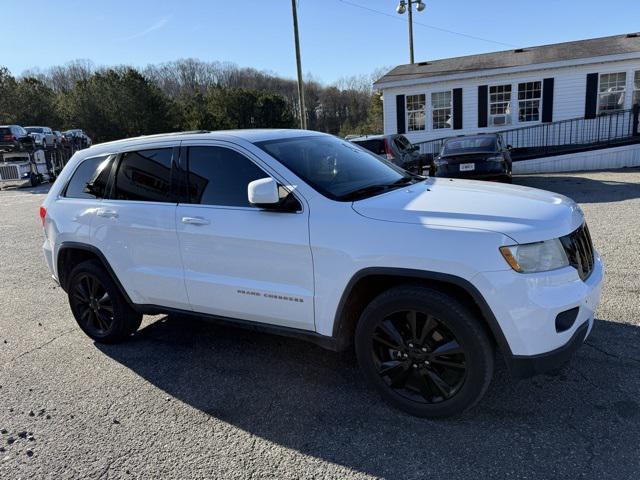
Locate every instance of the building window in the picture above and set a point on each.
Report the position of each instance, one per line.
(611, 92)
(500, 105)
(529, 95)
(441, 109)
(415, 112)
(636, 88)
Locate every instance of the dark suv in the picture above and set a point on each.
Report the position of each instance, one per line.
(14, 138)
(396, 148)
(479, 157)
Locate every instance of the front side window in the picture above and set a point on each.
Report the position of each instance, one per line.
(529, 95)
(144, 175)
(416, 112)
(441, 109)
(500, 104)
(636, 87)
(220, 176)
(90, 178)
(611, 92)
(337, 169)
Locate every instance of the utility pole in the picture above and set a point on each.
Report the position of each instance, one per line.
(407, 6)
(410, 12)
(303, 114)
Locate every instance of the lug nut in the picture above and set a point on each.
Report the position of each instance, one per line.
(411, 345)
(424, 349)
(415, 366)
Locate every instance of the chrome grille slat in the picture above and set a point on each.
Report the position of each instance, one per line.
(9, 172)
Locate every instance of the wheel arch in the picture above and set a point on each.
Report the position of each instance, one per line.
(71, 254)
(366, 284)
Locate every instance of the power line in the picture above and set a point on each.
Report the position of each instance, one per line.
(433, 27)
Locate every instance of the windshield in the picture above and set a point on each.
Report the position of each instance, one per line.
(338, 169)
(34, 129)
(464, 145)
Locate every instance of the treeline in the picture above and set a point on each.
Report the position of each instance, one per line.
(188, 94)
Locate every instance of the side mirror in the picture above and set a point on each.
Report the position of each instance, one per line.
(509, 147)
(263, 193)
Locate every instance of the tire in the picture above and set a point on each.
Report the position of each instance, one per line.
(34, 180)
(445, 372)
(98, 306)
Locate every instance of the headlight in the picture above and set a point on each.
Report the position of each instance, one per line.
(536, 257)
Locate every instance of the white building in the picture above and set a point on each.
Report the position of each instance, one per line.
(511, 89)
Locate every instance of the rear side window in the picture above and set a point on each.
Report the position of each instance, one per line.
(144, 176)
(220, 176)
(375, 146)
(90, 178)
(402, 143)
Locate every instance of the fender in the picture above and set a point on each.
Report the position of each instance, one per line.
(460, 282)
(95, 251)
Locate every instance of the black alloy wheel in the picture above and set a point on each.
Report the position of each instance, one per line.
(425, 351)
(93, 304)
(98, 304)
(419, 357)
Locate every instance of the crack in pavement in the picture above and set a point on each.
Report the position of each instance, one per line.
(613, 355)
(39, 347)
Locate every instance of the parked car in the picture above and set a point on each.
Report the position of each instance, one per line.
(299, 233)
(59, 137)
(15, 138)
(84, 139)
(44, 136)
(396, 148)
(480, 157)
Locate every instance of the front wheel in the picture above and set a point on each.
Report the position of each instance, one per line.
(100, 309)
(424, 351)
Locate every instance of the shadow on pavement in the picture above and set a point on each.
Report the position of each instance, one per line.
(581, 421)
(583, 189)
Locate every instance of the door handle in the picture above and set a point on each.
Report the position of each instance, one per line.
(195, 221)
(103, 212)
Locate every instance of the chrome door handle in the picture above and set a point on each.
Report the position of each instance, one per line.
(103, 212)
(195, 221)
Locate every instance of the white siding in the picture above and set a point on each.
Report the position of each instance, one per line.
(606, 158)
(568, 98)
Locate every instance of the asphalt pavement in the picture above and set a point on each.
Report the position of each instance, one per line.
(185, 399)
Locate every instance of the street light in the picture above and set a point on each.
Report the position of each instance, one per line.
(403, 6)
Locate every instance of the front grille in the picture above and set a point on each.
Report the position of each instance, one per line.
(579, 250)
(9, 172)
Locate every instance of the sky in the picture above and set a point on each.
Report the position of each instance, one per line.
(339, 38)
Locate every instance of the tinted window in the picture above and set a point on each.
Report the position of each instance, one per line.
(34, 130)
(145, 176)
(484, 144)
(90, 178)
(334, 167)
(219, 176)
(402, 143)
(375, 146)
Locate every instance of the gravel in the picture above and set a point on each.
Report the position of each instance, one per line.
(251, 405)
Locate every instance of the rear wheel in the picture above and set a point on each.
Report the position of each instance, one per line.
(424, 351)
(100, 309)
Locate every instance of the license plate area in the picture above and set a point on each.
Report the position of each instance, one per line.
(467, 167)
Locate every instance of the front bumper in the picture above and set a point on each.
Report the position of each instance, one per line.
(526, 306)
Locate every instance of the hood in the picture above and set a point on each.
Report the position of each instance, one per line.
(522, 213)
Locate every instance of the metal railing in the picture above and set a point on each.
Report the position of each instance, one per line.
(564, 136)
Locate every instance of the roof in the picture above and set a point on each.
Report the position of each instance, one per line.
(249, 135)
(594, 47)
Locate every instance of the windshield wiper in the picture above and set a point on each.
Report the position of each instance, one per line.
(371, 190)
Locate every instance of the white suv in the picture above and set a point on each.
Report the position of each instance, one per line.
(307, 235)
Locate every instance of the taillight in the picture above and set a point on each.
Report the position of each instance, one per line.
(8, 136)
(387, 150)
(43, 214)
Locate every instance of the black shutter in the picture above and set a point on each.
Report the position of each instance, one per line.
(483, 103)
(591, 98)
(547, 100)
(400, 114)
(457, 109)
